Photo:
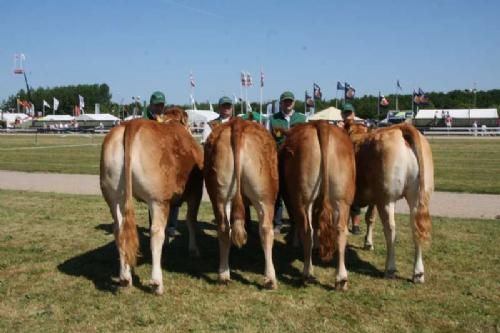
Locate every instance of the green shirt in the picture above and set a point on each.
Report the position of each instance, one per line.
(255, 116)
(280, 125)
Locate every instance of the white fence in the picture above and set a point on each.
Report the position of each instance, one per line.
(463, 131)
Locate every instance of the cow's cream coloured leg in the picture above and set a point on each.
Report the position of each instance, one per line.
(125, 272)
(267, 239)
(386, 213)
(304, 224)
(224, 236)
(370, 217)
(159, 212)
(418, 268)
(341, 225)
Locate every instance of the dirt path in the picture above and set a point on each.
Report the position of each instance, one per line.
(446, 204)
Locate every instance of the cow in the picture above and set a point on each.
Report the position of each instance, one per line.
(393, 163)
(241, 168)
(158, 164)
(318, 171)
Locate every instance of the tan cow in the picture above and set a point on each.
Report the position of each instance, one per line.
(318, 170)
(241, 168)
(393, 163)
(158, 164)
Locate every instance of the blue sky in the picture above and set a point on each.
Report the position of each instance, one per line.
(137, 47)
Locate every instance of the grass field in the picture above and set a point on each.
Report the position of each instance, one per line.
(461, 165)
(58, 261)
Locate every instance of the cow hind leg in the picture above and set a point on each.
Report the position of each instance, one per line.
(267, 239)
(370, 218)
(304, 224)
(224, 237)
(159, 213)
(418, 268)
(125, 270)
(341, 220)
(386, 213)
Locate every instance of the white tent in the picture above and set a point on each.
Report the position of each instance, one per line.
(331, 113)
(97, 117)
(10, 118)
(458, 113)
(57, 117)
(201, 115)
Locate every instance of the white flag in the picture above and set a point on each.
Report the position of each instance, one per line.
(82, 102)
(46, 104)
(211, 107)
(56, 104)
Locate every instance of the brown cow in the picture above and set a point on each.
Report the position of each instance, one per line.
(240, 168)
(158, 164)
(392, 163)
(319, 172)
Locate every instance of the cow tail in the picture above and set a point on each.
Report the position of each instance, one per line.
(128, 240)
(327, 231)
(238, 233)
(422, 221)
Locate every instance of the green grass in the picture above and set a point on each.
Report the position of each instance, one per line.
(58, 261)
(51, 153)
(461, 165)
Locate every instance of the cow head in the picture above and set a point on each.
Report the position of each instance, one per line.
(354, 128)
(174, 113)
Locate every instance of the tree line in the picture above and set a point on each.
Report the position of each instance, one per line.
(366, 106)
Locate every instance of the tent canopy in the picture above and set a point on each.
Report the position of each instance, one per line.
(458, 113)
(202, 115)
(57, 117)
(331, 113)
(96, 117)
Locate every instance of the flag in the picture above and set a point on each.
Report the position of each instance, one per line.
(46, 104)
(77, 111)
(243, 79)
(416, 97)
(382, 101)
(261, 78)
(191, 80)
(309, 101)
(398, 85)
(317, 92)
(249, 107)
(211, 107)
(424, 99)
(249, 81)
(56, 104)
(349, 91)
(81, 102)
(340, 86)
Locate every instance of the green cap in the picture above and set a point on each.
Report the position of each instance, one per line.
(287, 95)
(157, 98)
(225, 100)
(347, 107)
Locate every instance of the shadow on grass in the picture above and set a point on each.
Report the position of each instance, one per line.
(101, 265)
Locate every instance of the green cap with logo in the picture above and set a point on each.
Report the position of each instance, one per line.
(287, 95)
(157, 98)
(347, 107)
(225, 100)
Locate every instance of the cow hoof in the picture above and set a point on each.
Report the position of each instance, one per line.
(418, 278)
(341, 285)
(156, 287)
(125, 282)
(270, 284)
(390, 274)
(309, 279)
(368, 247)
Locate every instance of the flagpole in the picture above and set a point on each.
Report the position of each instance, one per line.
(260, 107)
(378, 107)
(43, 109)
(336, 98)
